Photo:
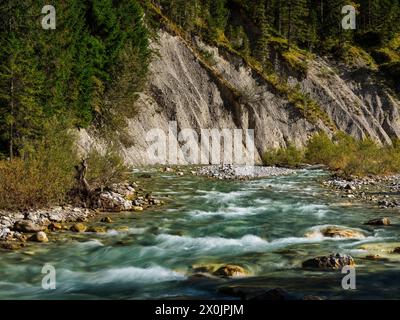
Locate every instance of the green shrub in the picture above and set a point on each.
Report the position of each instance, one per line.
(343, 154)
(41, 177)
(106, 169)
(284, 157)
(320, 149)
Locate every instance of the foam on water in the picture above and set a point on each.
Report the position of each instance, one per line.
(154, 274)
(230, 212)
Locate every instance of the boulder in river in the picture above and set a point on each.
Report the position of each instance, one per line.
(336, 232)
(379, 222)
(27, 226)
(97, 229)
(54, 226)
(106, 220)
(78, 227)
(40, 237)
(229, 270)
(331, 262)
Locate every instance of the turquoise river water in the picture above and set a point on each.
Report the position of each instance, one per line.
(259, 224)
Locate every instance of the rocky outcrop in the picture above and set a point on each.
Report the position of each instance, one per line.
(182, 89)
(332, 262)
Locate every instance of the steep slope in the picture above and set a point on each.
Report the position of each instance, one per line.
(222, 91)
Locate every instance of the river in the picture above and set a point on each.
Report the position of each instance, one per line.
(259, 224)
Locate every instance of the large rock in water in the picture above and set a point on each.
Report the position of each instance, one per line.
(78, 227)
(336, 232)
(40, 237)
(229, 270)
(27, 226)
(332, 262)
(379, 222)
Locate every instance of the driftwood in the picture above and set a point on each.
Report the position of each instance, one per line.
(82, 191)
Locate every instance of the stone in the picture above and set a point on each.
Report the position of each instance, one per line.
(331, 262)
(27, 226)
(228, 271)
(97, 229)
(375, 257)
(145, 176)
(39, 237)
(137, 209)
(396, 250)
(111, 201)
(338, 232)
(55, 226)
(11, 245)
(78, 227)
(6, 234)
(106, 220)
(379, 222)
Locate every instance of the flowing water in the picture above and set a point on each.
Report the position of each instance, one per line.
(260, 225)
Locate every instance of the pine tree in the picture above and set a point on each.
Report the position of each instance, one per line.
(21, 83)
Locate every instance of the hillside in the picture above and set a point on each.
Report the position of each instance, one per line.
(183, 87)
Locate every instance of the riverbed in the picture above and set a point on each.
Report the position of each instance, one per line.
(257, 224)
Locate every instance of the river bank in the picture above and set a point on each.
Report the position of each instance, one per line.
(17, 229)
(380, 191)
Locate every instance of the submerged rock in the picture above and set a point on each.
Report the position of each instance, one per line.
(379, 222)
(331, 262)
(376, 257)
(97, 229)
(106, 220)
(11, 245)
(78, 227)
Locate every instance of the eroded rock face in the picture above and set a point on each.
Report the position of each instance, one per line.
(331, 262)
(182, 90)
